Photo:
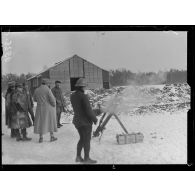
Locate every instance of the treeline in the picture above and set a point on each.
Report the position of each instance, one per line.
(119, 77)
(177, 76)
(126, 77)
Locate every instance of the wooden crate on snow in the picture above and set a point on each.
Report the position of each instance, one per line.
(129, 138)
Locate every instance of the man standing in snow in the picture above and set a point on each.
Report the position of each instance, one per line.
(57, 92)
(30, 99)
(45, 116)
(10, 91)
(19, 109)
(27, 91)
(83, 119)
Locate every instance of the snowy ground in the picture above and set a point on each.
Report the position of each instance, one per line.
(165, 142)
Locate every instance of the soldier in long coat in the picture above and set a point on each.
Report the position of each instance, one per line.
(57, 92)
(19, 113)
(83, 119)
(45, 116)
(10, 90)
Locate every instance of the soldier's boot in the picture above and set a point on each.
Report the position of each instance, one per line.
(24, 134)
(79, 159)
(89, 161)
(52, 138)
(18, 136)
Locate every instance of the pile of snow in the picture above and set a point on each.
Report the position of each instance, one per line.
(138, 99)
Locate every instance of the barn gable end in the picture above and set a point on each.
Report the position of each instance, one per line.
(69, 71)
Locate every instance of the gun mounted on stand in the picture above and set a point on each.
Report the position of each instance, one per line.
(102, 124)
(125, 138)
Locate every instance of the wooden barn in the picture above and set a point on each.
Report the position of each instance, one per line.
(69, 71)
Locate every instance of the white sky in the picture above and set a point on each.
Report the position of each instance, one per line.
(137, 51)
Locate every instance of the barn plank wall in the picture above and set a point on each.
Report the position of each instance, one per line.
(74, 67)
(61, 73)
(93, 75)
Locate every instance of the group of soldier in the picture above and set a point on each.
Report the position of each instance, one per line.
(19, 105)
(50, 104)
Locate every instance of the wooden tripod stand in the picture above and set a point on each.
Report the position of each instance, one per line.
(98, 132)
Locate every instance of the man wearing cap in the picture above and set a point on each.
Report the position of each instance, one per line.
(45, 116)
(27, 91)
(9, 92)
(30, 99)
(57, 92)
(83, 119)
(20, 109)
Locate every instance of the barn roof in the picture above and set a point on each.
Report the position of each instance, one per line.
(56, 64)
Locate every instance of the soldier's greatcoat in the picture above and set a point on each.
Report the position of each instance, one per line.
(45, 116)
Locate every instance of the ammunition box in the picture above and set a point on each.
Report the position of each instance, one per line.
(139, 137)
(121, 139)
(129, 138)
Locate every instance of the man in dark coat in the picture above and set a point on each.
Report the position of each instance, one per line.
(30, 99)
(9, 92)
(57, 92)
(27, 91)
(83, 119)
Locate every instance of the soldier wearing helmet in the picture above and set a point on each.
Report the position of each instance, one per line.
(83, 119)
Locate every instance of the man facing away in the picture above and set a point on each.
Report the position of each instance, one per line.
(57, 92)
(83, 119)
(45, 116)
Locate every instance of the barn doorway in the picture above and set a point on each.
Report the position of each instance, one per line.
(73, 82)
(106, 85)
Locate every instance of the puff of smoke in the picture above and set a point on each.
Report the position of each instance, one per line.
(135, 94)
(158, 78)
(148, 79)
(130, 98)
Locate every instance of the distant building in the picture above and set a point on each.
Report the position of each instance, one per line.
(69, 71)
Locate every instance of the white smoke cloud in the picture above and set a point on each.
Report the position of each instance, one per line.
(135, 94)
(131, 97)
(158, 78)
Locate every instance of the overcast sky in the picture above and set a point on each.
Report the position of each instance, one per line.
(137, 51)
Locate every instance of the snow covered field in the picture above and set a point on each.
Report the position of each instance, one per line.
(165, 135)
